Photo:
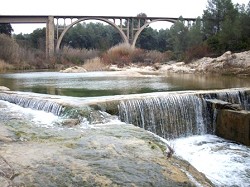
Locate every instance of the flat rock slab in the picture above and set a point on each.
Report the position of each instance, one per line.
(106, 155)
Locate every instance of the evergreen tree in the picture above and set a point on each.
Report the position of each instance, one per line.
(148, 39)
(92, 36)
(222, 26)
(6, 28)
(178, 35)
(215, 14)
(244, 25)
(37, 38)
(164, 40)
(195, 35)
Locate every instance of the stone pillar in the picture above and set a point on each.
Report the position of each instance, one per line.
(128, 29)
(50, 37)
(234, 125)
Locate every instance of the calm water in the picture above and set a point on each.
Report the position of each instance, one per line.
(105, 83)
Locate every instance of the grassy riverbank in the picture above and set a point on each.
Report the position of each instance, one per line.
(13, 56)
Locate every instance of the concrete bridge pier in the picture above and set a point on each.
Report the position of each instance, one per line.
(50, 45)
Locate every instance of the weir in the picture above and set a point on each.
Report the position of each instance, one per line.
(167, 114)
(33, 103)
(169, 117)
(176, 115)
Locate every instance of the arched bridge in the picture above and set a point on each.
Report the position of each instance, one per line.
(128, 27)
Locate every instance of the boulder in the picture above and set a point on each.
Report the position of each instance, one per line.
(228, 63)
(75, 69)
(3, 88)
(70, 122)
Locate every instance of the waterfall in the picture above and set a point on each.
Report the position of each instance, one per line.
(33, 103)
(169, 116)
(178, 115)
(236, 97)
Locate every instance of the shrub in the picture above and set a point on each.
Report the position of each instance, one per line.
(168, 56)
(119, 55)
(5, 66)
(124, 54)
(77, 56)
(138, 56)
(196, 52)
(150, 57)
(9, 49)
(19, 57)
(153, 57)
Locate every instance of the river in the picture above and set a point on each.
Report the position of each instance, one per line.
(107, 83)
(225, 163)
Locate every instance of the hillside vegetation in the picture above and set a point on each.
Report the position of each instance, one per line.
(224, 26)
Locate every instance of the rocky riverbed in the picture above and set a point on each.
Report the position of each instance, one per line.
(111, 154)
(227, 64)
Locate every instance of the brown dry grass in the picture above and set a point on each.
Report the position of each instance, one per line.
(121, 49)
(152, 57)
(95, 64)
(5, 66)
(120, 55)
(17, 57)
(124, 54)
(78, 56)
(9, 49)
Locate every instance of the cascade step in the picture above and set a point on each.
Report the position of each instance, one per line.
(219, 104)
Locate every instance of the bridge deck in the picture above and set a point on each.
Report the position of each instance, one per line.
(44, 18)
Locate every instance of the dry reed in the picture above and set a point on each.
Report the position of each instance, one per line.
(5, 66)
(120, 54)
(95, 64)
(78, 56)
(8, 49)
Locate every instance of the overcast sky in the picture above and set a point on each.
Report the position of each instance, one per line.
(157, 8)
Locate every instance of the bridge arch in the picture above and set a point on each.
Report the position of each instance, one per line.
(124, 37)
(145, 25)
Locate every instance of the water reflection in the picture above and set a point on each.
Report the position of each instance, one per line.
(197, 82)
(105, 83)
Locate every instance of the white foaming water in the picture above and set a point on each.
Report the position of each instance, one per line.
(49, 120)
(37, 117)
(223, 162)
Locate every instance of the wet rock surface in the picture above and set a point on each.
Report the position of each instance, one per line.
(75, 69)
(106, 155)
